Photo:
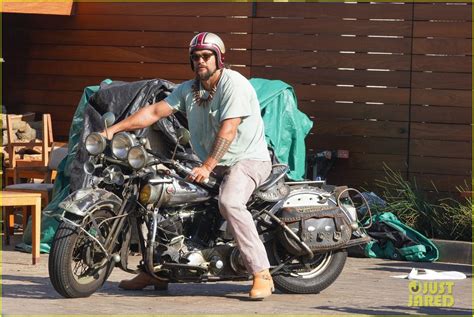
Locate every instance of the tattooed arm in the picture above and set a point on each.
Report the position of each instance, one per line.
(224, 138)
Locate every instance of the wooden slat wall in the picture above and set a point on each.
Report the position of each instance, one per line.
(391, 82)
(51, 59)
(350, 66)
(383, 80)
(441, 128)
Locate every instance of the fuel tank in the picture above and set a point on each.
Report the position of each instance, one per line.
(181, 192)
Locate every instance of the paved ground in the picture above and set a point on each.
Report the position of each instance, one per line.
(364, 287)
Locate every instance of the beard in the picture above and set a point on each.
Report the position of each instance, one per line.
(205, 75)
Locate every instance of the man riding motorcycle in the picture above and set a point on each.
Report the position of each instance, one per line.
(227, 133)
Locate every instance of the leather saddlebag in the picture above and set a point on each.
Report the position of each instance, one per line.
(321, 228)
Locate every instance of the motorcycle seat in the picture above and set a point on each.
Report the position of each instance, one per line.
(278, 172)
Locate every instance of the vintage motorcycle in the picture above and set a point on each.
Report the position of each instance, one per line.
(133, 192)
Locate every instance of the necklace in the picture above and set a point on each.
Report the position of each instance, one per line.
(203, 99)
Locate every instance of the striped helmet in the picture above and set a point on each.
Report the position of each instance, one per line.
(208, 41)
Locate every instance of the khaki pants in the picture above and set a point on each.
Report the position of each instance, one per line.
(239, 182)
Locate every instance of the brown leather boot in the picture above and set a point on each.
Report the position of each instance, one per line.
(141, 281)
(262, 285)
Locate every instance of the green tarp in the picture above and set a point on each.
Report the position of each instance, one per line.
(61, 183)
(397, 241)
(285, 126)
(285, 130)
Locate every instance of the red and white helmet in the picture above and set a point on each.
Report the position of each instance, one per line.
(208, 41)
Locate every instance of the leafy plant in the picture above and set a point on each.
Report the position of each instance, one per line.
(446, 218)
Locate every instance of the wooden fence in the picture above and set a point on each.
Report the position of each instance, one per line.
(390, 82)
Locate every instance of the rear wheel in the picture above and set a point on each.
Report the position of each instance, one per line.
(306, 276)
(77, 265)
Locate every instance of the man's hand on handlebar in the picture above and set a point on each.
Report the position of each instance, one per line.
(199, 174)
(108, 135)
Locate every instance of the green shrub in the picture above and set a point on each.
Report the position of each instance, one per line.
(445, 218)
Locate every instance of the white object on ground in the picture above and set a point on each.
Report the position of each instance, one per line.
(430, 275)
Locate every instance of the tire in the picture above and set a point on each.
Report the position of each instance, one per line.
(323, 270)
(72, 250)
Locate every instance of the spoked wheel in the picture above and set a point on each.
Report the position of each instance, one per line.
(303, 275)
(77, 265)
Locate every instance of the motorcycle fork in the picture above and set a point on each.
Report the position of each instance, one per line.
(118, 225)
(106, 244)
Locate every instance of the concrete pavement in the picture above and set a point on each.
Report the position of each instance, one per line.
(364, 287)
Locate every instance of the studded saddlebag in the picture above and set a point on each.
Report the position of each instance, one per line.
(321, 228)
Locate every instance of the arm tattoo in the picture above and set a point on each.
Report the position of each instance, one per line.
(219, 148)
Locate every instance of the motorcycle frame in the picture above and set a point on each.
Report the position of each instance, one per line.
(148, 243)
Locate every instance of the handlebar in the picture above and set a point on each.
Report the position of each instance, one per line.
(210, 182)
(115, 161)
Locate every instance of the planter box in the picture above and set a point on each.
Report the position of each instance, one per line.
(454, 251)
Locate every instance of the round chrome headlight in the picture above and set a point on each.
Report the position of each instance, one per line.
(137, 157)
(121, 143)
(95, 143)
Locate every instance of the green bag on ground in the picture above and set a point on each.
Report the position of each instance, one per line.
(397, 241)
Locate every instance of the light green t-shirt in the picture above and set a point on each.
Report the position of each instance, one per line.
(235, 97)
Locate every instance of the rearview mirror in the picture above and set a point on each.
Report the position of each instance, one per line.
(184, 137)
(108, 118)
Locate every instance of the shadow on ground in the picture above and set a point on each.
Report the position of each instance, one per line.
(41, 288)
(405, 267)
(398, 310)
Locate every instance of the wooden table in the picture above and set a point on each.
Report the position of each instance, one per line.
(16, 199)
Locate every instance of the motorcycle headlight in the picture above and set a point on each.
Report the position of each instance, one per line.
(95, 143)
(137, 157)
(121, 143)
(148, 194)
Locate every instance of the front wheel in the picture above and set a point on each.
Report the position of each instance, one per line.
(77, 265)
(307, 276)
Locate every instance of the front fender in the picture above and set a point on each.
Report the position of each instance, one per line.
(80, 201)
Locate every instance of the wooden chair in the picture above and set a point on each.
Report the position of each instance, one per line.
(13, 146)
(45, 173)
(58, 153)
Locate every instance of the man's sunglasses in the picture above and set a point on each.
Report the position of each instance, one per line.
(196, 57)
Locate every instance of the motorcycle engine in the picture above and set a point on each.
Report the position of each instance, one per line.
(185, 238)
(182, 234)
(169, 228)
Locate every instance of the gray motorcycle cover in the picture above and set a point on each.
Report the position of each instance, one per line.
(123, 99)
